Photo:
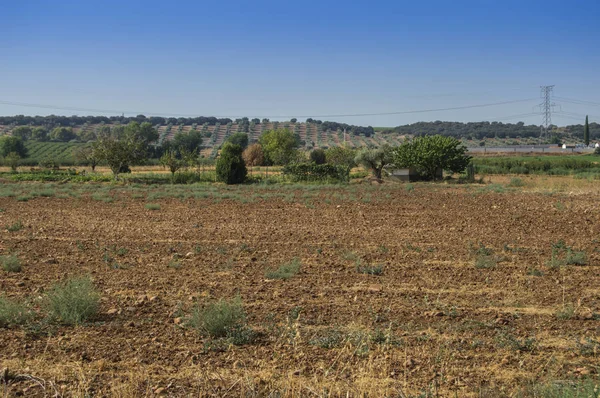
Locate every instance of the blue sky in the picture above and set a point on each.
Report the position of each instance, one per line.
(310, 58)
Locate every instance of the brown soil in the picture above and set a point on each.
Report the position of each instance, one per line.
(449, 326)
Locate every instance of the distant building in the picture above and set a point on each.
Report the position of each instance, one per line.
(409, 174)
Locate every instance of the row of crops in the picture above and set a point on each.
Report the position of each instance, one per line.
(59, 152)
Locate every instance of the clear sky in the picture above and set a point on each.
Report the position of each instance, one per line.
(302, 58)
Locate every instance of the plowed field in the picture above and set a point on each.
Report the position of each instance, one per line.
(467, 303)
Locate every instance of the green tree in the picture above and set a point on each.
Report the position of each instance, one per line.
(63, 134)
(586, 132)
(119, 154)
(23, 132)
(10, 144)
(39, 134)
(191, 142)
(341, 156)
(318, 156)
(279, 146)
(429, 153)
(12, 160)
(170, 159)
(86, 155)
(375, 159)
(230, 167)
(145, 131)
(240, 139)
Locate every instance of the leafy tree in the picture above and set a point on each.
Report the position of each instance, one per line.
(430, 153)
(555, 139)
(86, 155)
(190, 142)
(144, 131)
(23, 132)
(586, 132)
(342, 157)
(318, 156)
(253, 155)
(230, 167)
(39, 134)
(10, 144)
(240, 139)
(63, 134)
(170, 159)
(119, 154)
(375, 159)
(279, 146)
(12, 160)
(293, 120)
(86, 135)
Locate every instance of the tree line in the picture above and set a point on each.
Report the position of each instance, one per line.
(482, 130)
(121, 147)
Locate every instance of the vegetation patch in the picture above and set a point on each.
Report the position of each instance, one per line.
(223, 319)
(13, 313)
(10, 263)
(73, 301)
(285, 271)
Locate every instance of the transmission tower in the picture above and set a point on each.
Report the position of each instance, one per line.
(547, 106)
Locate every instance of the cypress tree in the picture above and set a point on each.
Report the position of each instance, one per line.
(586, 132)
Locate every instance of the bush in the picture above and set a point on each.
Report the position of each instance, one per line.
(428, 154)
(516, 182)
(231, 168)
(318, 156)
(74, 301)
(10, 263)
(315, 172)
(285, 271)
(219, 319)
(153, 206)
(368, 269)
(12, 313)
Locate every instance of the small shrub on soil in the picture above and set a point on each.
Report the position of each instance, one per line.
(566, 312)
(507, 340)
(12, 313)
(153, 206)
(588, 347)
(516, 182)
(563, 255)
(576, 257)
(480, 250)
(330, 338)
(369, 269)
(10, 263)
(73, 301)
(219, 319)
(17, 226)
(485, 261)
(285, 271)
(562, 389)
(534, 272)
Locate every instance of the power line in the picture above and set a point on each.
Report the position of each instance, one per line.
(45, 106)
(578, 102)
(522, 115)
